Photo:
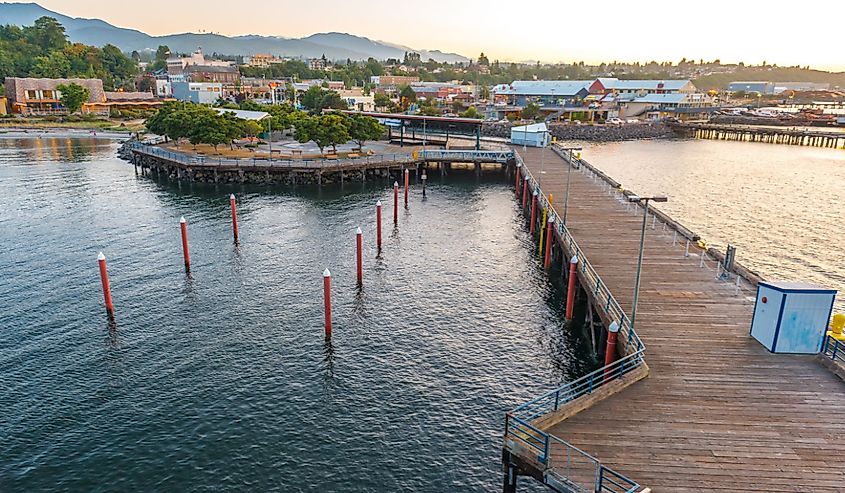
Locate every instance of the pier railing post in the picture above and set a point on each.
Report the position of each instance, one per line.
(570, 290)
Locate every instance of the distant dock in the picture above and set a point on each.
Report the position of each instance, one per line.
(771, 135)
(691, 403)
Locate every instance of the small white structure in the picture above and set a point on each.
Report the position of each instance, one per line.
(792, 317)
(244, 114)
(535, 135)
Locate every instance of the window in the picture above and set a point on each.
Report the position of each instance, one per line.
(31, 95)
(47, 94)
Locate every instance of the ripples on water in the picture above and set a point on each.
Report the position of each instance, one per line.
(782, 206)
(222, 380)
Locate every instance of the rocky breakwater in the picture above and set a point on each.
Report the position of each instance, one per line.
(597, 133)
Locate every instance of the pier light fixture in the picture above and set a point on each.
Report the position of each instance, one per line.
(645, 201)
(568, 179)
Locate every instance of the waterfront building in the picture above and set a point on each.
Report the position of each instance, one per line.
(198, 92)
(545, 93)
(758, 87)
(657, 106)
(40, 96)
(610, 85)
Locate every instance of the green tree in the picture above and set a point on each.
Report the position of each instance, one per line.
(312, 98)
(381, 101)
(363, 128)
(471, 112)
(531, 111)
(406, 93)
(483, 60)
(73, 96)
(54, 66)
(48, 34)
(324, 130)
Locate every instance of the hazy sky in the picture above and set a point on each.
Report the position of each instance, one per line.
(805, 32)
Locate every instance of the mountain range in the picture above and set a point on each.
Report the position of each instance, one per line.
(335, 46)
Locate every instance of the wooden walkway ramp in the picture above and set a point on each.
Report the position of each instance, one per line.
(717, 412)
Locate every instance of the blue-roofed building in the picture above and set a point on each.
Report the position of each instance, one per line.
(542, 92)
(758, 87)
(655, 106)
(535, 135)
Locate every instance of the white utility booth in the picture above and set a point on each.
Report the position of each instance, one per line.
(792, 317)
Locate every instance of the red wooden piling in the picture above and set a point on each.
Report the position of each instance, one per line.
(378, 224)
(610, 349)
(407, 174)
(570, 290)
(183, 224)
(516, 179)
(549, 230)
(533, 213)
(234, 216)
(327, 302)
(395, 202)
(359, 254)
(524, 193)
(104, 278)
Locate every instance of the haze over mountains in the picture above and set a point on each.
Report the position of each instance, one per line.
(335, 46)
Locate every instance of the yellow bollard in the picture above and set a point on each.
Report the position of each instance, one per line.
(837, 323)
(546, 211)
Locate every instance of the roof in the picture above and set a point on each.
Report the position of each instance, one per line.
(16, 87)
(545, 87)
(211, 68)
(533, 128)
(796, 286)
(661, 98)
(649, 84)
(244, 114)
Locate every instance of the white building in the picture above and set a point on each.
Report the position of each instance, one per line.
(534, 135)
(176, 65)
(357, 101)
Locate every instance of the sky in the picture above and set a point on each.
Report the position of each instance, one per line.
(784, 33)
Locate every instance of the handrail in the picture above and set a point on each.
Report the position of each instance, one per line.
(834, 349)
(518, 427)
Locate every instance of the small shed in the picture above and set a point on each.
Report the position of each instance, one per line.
(792, 317)
(535, 135)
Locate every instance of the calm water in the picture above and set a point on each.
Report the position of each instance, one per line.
(782, 206)
(221, 381)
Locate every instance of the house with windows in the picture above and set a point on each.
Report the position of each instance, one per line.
(41, 96)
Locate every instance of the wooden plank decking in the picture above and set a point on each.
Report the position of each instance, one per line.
(718, 412)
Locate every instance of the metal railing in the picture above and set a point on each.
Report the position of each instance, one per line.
(207, 161)
(834, 349)
(550, 450)
(488, 156)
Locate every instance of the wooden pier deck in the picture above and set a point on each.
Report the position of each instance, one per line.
(717, 412)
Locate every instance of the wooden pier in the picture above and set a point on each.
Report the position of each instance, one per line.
(771, 135)
(717, 411)
(191, 167)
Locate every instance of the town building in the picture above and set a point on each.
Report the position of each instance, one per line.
(40, 96)
(357, 100)
(391, 84)
(436, 91)
(227, 75)
(177, 65)
(318, 63)
(127, 100)
(198, 92)
(262, 60)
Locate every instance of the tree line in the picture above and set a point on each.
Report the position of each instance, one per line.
(42, 50)
(199, 124)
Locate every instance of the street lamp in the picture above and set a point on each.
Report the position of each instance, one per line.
(568, 179)
(644, 201)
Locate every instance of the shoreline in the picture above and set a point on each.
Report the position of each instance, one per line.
(37, 132)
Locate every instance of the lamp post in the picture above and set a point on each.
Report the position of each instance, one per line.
(644, 201)
(568, 180)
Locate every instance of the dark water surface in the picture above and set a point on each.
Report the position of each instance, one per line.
(221, 381)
